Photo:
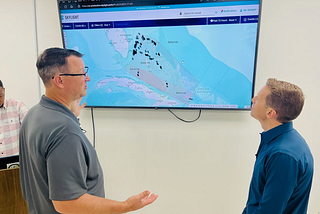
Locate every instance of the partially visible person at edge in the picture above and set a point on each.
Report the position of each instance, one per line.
(12, 113)
(59, 168)
(283, 171)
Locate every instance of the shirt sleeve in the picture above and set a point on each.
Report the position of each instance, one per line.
(22, 111)
(281, 178)
(67, 169)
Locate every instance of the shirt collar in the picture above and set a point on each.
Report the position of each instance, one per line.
(51, 104)
(271, 134)
(5, 104)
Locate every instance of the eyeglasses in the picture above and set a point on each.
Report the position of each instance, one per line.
(85, 74)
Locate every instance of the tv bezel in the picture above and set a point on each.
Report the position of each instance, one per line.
(186, 108)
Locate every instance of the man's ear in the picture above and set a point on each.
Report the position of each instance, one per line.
(57, 80)
(271, 113)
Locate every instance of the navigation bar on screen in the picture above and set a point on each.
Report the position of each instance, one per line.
(162, 23)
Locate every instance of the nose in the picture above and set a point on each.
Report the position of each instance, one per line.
(253, 100)
(87, 79)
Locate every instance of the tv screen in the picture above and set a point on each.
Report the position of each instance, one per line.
(198, 54)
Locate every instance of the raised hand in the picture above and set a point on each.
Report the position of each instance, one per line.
(76, 107)
(138, 201)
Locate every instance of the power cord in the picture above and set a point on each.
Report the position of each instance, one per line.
(186, 121)
(93, 129)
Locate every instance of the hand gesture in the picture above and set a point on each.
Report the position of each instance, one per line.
(138, 201)
(76, 107)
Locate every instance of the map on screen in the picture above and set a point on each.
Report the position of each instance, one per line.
(202, 65)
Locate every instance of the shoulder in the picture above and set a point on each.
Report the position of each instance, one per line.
(294, 144)
(290, 142)
(15, 103)
(46, 119)
(290, 145)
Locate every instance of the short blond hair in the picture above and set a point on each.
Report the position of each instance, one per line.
(286, 98)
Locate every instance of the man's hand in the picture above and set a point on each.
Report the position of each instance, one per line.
(76, 107)
(138, 201)
(94, 204)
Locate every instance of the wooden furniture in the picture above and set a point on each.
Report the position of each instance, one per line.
(11, 200)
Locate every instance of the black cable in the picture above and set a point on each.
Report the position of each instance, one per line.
(186, 121)
(93, 129)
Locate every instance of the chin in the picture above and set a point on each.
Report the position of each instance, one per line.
(252, 115)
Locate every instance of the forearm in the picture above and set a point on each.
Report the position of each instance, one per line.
(87, 204)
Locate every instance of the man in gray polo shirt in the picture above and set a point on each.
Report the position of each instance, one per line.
(59, 169)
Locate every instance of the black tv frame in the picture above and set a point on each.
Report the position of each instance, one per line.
(170, 2)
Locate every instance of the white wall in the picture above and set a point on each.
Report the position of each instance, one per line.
(203, 167)
(17, 51)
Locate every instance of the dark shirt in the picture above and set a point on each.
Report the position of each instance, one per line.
(282, 175)
(57, 161)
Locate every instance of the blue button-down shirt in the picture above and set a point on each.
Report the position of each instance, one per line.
(282, 174)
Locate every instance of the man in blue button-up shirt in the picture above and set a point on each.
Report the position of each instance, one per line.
(283, 170)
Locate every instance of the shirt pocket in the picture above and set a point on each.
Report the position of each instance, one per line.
(11, 124)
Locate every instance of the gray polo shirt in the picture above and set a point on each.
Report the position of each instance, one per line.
(57, 161)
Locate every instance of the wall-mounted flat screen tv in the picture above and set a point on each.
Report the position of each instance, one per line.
(198, 54)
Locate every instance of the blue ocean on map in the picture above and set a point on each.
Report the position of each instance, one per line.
(166, 67)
